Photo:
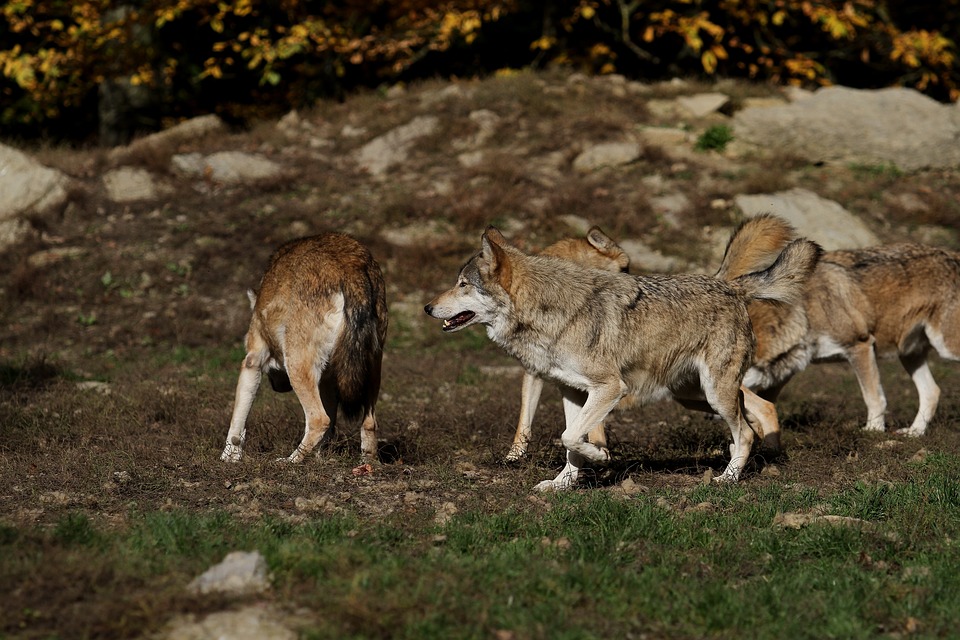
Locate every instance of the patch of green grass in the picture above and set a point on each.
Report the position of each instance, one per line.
(715, 138)
(879, 170)
(592, 565)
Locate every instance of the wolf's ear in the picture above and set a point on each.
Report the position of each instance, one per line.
(608, 247)
(599, 239)
(498, 262)
(493, 234)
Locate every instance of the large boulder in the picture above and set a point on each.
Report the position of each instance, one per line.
(894, 126)
(819, 219)
(27, 190)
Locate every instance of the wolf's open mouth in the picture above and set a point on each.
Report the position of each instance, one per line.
(457, 321)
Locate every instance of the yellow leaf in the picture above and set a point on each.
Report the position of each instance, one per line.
(587, 12)
(709, 61)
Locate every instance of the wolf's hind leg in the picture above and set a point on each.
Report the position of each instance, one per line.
(368, 428)
(319, 402)
(529, 397)
(919, 369)
(247, 386)
(765, 415)
(729, 405)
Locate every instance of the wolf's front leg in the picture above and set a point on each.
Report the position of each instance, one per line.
(583, 411)
(529, 397)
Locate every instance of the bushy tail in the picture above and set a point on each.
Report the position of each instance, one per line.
(356, 356)
(782, 281)
(755, 245)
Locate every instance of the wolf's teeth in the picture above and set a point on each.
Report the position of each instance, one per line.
(446, 323)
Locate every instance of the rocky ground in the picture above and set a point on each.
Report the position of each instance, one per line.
(126, 271)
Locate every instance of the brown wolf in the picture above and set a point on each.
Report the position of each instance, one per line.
(606, 335)
(597, 250)
(318, 328)
(901, 299)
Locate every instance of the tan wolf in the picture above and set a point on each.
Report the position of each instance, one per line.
(901, 299)
(318, 328)
(606, 335)
(597, 250)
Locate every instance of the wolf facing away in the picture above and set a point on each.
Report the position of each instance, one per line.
(901, 299)
(606, 335)
(318, 328)
(597, 250)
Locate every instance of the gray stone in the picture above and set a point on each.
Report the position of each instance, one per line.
(240, 572)
(167, 140)
(822, 220)
(256, 622)
(393, 147)
(888, 126)
(230, 167)
(701, 105)
(607, 154)
(130, 184)
(29, 188)
(643, 259)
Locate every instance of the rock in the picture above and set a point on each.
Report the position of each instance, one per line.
(393, 147)
(230, 167)
(644, 259)
(49, 257)
(665, 137)
(425, 234)
(895, 126)
(607, 154)
(822, 220)
(167, 141)
(256, 622)
(799, 520)
(130, 184)
(27, 189)
(701, 105)
(445, 513)
(240, 572)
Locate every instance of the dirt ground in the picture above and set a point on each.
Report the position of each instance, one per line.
(121, 333)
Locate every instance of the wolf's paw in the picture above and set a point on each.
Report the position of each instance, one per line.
(547, 486)
(294, 458)
(875, 424)
(729, 476)
(912, 431)
(231, 453)
(515, 454)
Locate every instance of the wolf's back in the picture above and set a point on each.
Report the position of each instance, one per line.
(784, 280)
(755, 245)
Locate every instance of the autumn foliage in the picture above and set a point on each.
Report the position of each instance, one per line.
(244, 58)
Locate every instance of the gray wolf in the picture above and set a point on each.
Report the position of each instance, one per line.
(606, 335)
(318, 328)
(597, 250)
(898, 299)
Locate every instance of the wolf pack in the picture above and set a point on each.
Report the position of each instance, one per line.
(573, 315)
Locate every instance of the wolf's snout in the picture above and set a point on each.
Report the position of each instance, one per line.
(428, 309)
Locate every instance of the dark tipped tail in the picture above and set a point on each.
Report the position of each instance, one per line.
(784, 280)
(755, 245)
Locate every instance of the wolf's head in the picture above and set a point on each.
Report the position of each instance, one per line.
(597, 250)
(480, 294)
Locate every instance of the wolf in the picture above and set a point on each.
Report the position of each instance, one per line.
(597, 250)
(606, 335)
(318, 328)
(899, 299)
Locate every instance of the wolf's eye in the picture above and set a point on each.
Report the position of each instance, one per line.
(463, 283)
